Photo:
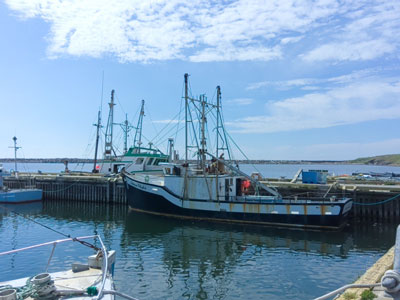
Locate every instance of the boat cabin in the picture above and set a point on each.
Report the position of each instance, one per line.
(203, 187)
(136, 160)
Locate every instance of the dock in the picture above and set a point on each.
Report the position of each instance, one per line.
(83, 187)
(372, 202)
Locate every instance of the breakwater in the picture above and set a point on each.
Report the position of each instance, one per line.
(372, 202)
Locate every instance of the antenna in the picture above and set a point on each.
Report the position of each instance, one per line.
(15, 151)
(138, 135)
(109, 130)
(186, 117)
(203, 142)
(98, 125)
(125, 128)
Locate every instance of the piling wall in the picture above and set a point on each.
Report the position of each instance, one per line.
(109, 190)
(74, 188)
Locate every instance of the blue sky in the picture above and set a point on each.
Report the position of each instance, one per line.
(300, 79)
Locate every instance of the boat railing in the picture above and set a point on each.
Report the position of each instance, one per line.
(56, 242)
(305, 197)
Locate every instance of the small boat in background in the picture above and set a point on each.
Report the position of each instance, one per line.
(136, 159)
(18, 195)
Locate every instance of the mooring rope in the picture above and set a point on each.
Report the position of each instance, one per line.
(63, 189)
(376, 203)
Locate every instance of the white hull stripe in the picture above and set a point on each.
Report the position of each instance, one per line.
(256, 208)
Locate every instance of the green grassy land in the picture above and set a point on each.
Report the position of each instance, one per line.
(390, 159)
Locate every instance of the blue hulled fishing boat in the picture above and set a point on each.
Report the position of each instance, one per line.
(215, 189)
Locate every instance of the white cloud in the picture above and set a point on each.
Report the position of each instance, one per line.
(168, 121)
(353, 103)
(369, 31)
(240, 101)
(350, 50)
(283, 85)
(311, 83)
(291, 39)
(211, 30)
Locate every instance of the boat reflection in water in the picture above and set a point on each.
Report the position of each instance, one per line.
(219, 261)
(163, 258)
(199, 239)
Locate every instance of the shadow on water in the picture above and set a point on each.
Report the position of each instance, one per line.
(195, 253)
(137, 227)
(188, 237)
(326, 243)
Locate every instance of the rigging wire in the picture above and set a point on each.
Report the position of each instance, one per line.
(54, 230)
(168, 132)
(151, 120)
(166, 126)
(102, 90)
(179, 117)
(116, 97)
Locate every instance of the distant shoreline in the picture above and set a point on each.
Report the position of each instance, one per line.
(254, 161)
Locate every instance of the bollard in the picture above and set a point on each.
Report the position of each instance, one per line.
(391, 279)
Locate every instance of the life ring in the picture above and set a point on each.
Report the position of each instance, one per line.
(146, 178)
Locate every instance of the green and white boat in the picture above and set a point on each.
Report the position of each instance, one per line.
(136, 159)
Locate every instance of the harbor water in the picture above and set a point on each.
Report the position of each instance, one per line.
(160, 258)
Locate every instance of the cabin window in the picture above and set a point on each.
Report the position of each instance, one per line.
(230, 181)
(149, 162)
(139, 161)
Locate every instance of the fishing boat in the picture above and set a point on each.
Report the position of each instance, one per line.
(215, 189)
(91, 279)
(135, 159)
(16, 196)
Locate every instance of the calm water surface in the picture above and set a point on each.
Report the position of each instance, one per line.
(159, 258)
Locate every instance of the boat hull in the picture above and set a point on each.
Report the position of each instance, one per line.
(158, 200)
(21, 196)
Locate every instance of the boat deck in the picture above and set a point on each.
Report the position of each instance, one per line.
(70, 281)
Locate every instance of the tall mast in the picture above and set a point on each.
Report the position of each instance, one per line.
(15, 152)
(98, 125)
(126, 130)
(138, 135)
(203, 134)
(220, 126)
(186, 117)
(218, 99)
(109, 130)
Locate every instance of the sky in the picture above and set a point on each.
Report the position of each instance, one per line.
(300, 79)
